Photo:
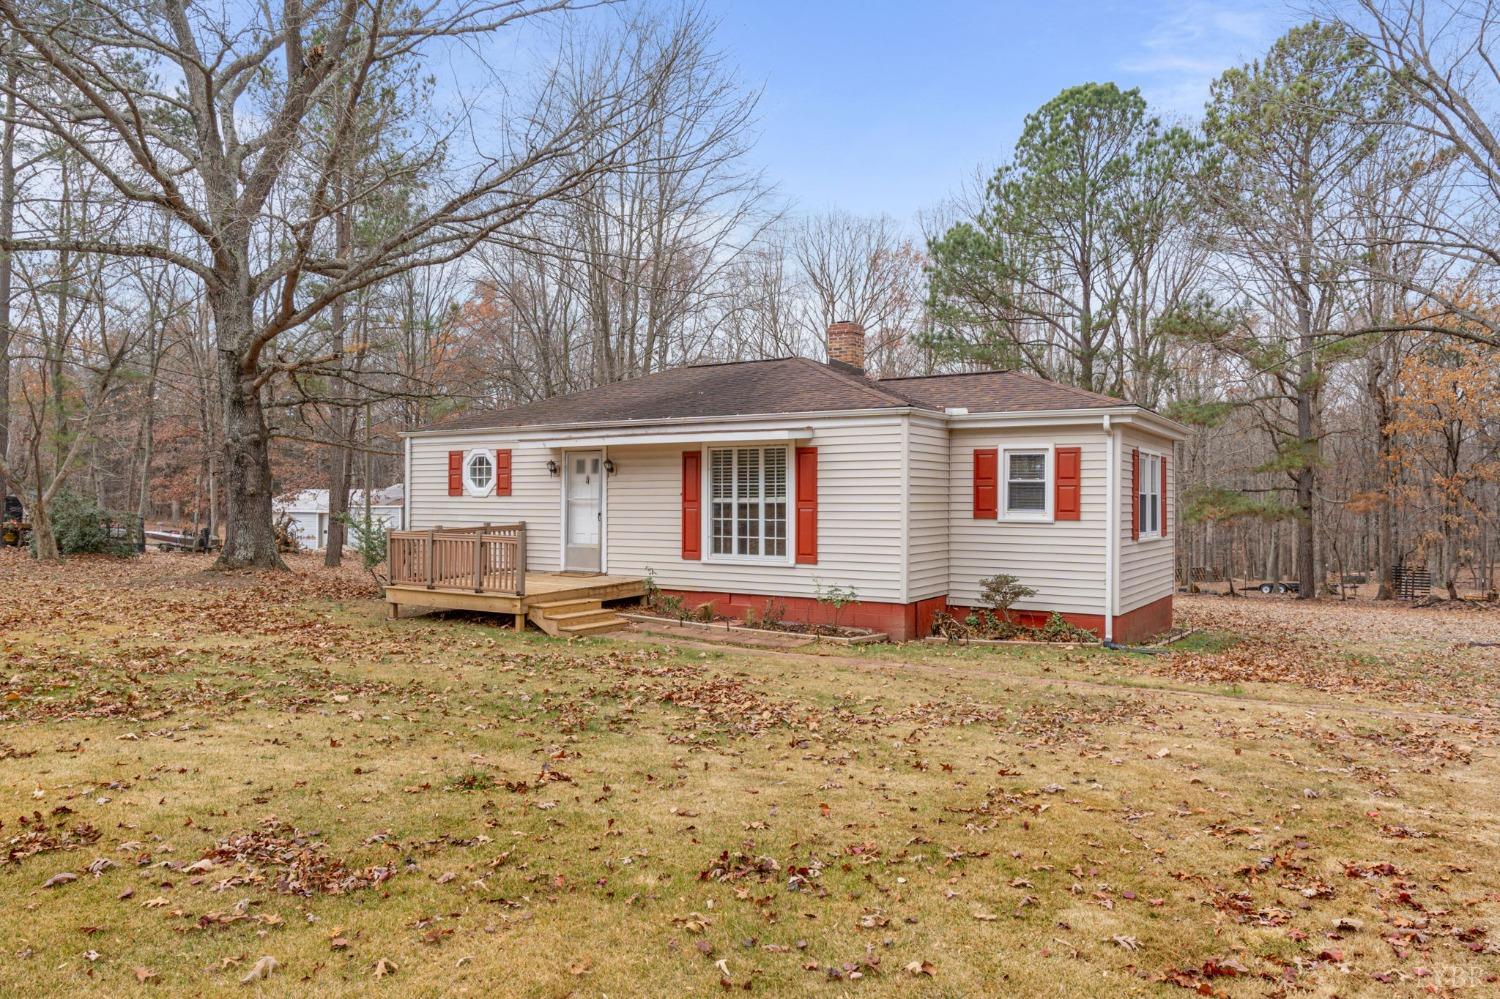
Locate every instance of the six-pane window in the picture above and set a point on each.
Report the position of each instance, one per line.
(1150, 498)
(747, 501)
(480, 471)
(1026, 482)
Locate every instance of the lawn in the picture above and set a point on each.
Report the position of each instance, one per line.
(205, 776)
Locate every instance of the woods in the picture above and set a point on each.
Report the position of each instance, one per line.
(245, 248)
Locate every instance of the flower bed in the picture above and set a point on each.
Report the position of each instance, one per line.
(985, 626)
(720, 625)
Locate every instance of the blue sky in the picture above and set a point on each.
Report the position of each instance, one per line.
(887, 106)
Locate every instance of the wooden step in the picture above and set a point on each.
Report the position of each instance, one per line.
(554, 607)
(612, 623)
(583, 617)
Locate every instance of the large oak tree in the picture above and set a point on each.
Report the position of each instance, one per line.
(207, 111)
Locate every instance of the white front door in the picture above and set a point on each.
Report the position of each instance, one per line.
(583, 510)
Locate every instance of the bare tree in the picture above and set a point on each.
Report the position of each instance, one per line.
(1440, 54)
(863, 270)
(218, 144)
(630, 272)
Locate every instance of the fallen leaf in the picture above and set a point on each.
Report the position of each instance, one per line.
(260, 970)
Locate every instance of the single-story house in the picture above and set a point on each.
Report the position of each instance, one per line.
(308, 510)
(742, 484)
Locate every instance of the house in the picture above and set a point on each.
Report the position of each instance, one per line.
(741, 484)
(308, 510)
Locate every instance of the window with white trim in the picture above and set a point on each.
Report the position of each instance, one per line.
(1025, 481)
(1150, 498)
(747, 489)
(479, 471)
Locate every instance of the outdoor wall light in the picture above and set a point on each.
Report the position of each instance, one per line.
(609, 466)
(552, 467)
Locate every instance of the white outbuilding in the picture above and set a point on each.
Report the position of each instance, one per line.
(308, 510)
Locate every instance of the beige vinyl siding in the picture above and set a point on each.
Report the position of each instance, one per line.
(1064, 561)
(927, 508)
(1146, 566)
(860, 510)
(534, 497)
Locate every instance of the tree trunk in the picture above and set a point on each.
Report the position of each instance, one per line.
(249, 534)
(7, 229)
(343, 422)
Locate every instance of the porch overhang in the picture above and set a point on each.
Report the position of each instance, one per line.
(625, 438)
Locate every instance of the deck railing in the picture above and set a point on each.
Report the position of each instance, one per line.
(490, 558)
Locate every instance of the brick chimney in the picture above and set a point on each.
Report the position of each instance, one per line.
(846, 344)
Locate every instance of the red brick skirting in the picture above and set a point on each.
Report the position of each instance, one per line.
(1134, 626)
(904, 622)
(1144, 622)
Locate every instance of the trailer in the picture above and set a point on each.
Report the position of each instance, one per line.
(183, 541)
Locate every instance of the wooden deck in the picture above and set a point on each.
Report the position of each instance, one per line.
(484, 569)
(558, 603)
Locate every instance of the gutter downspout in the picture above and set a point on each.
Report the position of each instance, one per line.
(1111, 525)
(406, 497)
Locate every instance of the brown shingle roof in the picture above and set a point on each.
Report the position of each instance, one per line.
(781, 385)
(744, 388)
(998, 392)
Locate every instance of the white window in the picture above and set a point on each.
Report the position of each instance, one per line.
(1025, 482)
(479, 473)
(747, 489)
(1150, 498)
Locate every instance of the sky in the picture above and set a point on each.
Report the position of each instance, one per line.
(890, 106)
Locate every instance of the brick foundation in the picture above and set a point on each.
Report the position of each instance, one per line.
(906, 622)
(903, 622)
(1144, 622)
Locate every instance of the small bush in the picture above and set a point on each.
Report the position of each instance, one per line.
(836, 597)
(999, 592)
(81, 527)
(368, 535)
(773, 614)
(1059, 629)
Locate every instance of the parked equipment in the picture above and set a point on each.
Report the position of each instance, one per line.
(14, 530)
(183, 541)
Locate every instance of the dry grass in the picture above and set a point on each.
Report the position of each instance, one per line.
(471, 812)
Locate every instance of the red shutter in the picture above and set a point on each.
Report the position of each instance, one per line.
(692, 505)
(502, 471)
(986, 483)
(1135, 494)
(1163, 495)
(1068, 491)
(455, 473)
(807, 506)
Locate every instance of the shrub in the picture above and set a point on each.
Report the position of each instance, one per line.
(368, 535)
(773, 614)
(1002, 590)
(837, 597)
(81, 527)
(1059, 629)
